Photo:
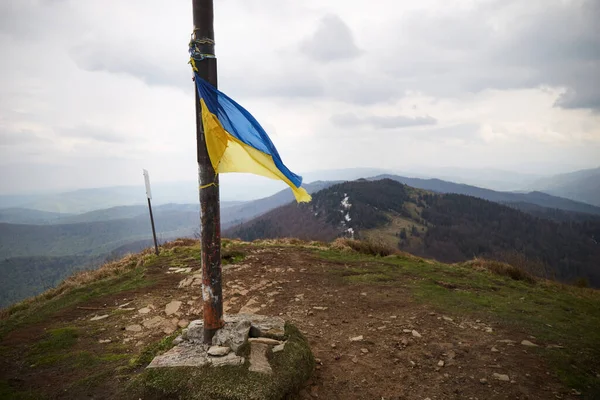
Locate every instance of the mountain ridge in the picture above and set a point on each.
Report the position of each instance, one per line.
(448, 227)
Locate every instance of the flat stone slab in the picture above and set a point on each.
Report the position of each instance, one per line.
(260, 326)
(260, 330)
(233, 334)
(172, 307)
(258, 358)
(193, 355)
(264, 340)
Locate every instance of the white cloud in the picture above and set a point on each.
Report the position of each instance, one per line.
(104, 87)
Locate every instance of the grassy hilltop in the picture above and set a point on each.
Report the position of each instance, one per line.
(381, 324)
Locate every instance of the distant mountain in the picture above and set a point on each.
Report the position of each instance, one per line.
(23, 277)
(243, 212)
(448, 227)
(489, 178)
(91, 238)
(86, 200)
(538, 198)
(581, 185)
(234, 188)
(17, 215)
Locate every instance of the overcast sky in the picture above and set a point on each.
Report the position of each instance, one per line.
(91, 92)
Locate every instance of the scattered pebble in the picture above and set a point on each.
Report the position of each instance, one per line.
(218, 351)
(501, 377)
(528, 343)
(440, 363)
(364, 351)
(416, 334)
(99, 317)
(357, 338)
(133, 328)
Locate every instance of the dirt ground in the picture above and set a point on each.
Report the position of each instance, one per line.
(371, 341)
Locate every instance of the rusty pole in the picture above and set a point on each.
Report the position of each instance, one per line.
(210, 215)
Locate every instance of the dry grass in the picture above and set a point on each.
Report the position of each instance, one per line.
(181, 242)
(369, 247)
(502, 269)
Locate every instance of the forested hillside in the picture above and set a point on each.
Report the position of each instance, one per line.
(448, 227)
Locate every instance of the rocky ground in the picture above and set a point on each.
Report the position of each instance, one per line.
(372, 338)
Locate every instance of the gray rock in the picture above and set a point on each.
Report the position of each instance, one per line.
(260, 326)
(267, 341)
(98, 317)
(258, 359)
(153, 322)
(133, 328)
(192, 355)
(264, 326)
(172, 307)
(233, 334)
(416, 334)
(483, 381)
(528, 343)
(183, 323)
(194, 331)
(278, 348)
(218, 351)
(357, 338)
(501, 377)
(177, 340)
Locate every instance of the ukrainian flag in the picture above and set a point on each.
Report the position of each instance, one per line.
(237, 143)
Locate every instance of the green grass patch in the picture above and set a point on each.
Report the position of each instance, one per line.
(232, 256)
(180, 257)
(43, 309)
(9, 393)
(152, 350)
(57, 339)
(553, 313)
(291, 368)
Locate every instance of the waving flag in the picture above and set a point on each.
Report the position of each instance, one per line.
(237, 143)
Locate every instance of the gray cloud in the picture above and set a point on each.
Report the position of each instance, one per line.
(118, 59)
(378, 122)
(95, 133)
(18, 137)
(503, 45)
(332, 41)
